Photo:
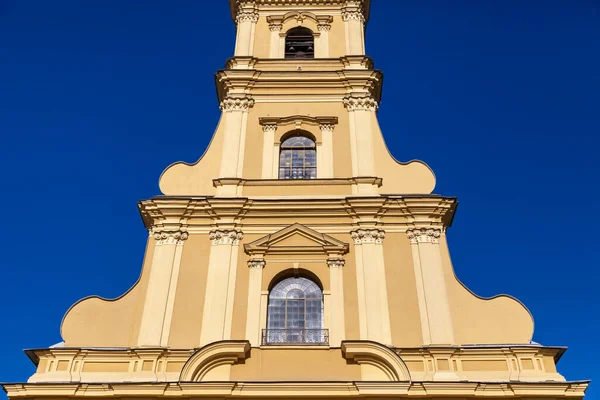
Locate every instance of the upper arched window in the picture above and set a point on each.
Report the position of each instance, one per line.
(295, 313)
(298, 158)
(299, 43)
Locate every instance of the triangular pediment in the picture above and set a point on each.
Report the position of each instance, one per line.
(297, 239)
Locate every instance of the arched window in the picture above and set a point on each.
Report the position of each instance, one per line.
(295, 313)
(299, 43)
(298, 158)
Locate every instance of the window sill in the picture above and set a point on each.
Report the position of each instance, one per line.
(295, 347)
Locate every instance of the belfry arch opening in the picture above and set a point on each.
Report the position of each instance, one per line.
(300, 43)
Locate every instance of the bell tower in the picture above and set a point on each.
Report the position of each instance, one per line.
(299, 69)
(297, 258)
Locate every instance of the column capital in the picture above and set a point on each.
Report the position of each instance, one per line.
(324, 27)
(336, 262)
(170, 237)
(327, 127)
(229, 104)
(353, 12)
(269, 128)
(247, 13)
(368, 235)
(256, 263)
(275, 26)
(360, 103)
(225, 236)
(424, 235)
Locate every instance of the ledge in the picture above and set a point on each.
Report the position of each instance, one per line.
(300, 389)
(297, 182)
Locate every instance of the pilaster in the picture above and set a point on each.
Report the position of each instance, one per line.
(354, 21)
(275, 45)
(235, 110)
(246, 19)
(436, 320)
(220, 285)
(253, 326)
(269, 151)
(162, 286)
(322, 41)
(325, 165)
(361, 109)
(337, 329)
(374, 313)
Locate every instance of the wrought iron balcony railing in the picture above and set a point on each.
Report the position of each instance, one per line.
(295, 336)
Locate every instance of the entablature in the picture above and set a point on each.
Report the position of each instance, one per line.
(271, 6)
(335, 214)
(300, 64)
(266, 86)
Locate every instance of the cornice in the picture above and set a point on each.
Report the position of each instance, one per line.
(395, 214)
(310, 64)
(339, 85)
(364, 5)
(574, 389)
(298, 120)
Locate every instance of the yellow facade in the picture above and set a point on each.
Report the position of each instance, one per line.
(364, 232)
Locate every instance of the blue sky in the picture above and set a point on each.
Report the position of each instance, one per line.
(501, 99)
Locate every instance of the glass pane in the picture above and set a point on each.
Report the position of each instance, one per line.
(276, 314)
(295, 294)
(295, 314)
(297, 158)
(298, 141)
(311, 158)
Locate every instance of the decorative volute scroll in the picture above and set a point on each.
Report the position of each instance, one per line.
(378, 362)
(213, 362)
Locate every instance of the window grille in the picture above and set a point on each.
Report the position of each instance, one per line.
(298, 158)
(295, 313)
